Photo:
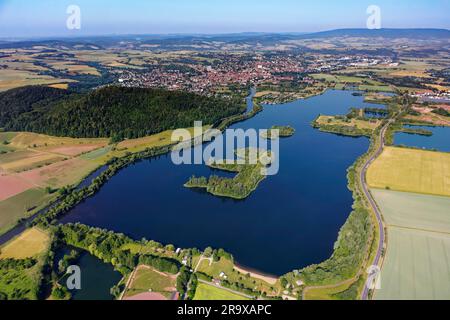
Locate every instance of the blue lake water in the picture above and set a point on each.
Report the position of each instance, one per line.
(439, 141)
(292, 220)
(97, 277)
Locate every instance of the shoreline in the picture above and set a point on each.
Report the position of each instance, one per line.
(270, 279)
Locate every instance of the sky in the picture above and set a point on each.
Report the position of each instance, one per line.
(47, 18)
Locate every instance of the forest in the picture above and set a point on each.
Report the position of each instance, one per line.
(110, 112)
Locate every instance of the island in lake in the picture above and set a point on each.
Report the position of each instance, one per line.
(283, 132)
(249, 175)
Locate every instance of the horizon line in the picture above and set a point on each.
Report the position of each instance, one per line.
(69, 36)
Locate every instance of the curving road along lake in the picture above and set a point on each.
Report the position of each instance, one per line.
(292, 220)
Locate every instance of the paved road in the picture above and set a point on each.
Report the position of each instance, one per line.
(373, 204)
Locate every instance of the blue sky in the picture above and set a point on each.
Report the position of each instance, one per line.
(34, 18)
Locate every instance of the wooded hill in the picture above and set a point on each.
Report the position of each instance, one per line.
(109, 112)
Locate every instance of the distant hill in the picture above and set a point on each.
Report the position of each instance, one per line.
(385, 33)
(175, 40)
(109, 112)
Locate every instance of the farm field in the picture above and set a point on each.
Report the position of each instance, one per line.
(29, 161)
(16, 156)
(11, 78)
(35, 140)
(11, 185)
(415, 211)
(417, 263)
(20, 206)
(72, 67)
(411, 170)
(149, 280)
(60, 174)
(206, 292)
(416, 266)
(31, 243)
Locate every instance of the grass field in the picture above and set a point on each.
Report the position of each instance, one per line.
(4, 148)
(376, 88)
(97, 155)
(157, 140)
(411, 170)
(325, 293)
(31, 243)
(20, 284)
(325, 77)
(360, 124)
(149, 280)
(417, 264)
(16, 207)
(227, 266)
(208, 292)
(7, 136)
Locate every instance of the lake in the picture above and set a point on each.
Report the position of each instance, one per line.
(438, 141)
(97, 277)
(292, 220)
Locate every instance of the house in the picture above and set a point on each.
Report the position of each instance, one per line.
(299, 283)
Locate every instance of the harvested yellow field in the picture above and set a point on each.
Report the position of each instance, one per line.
(265, 93)
(34, 140)
(411, 170)
(410, 73)
(10, 78)
(30, 243)
(22, 65)
(63, 86)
